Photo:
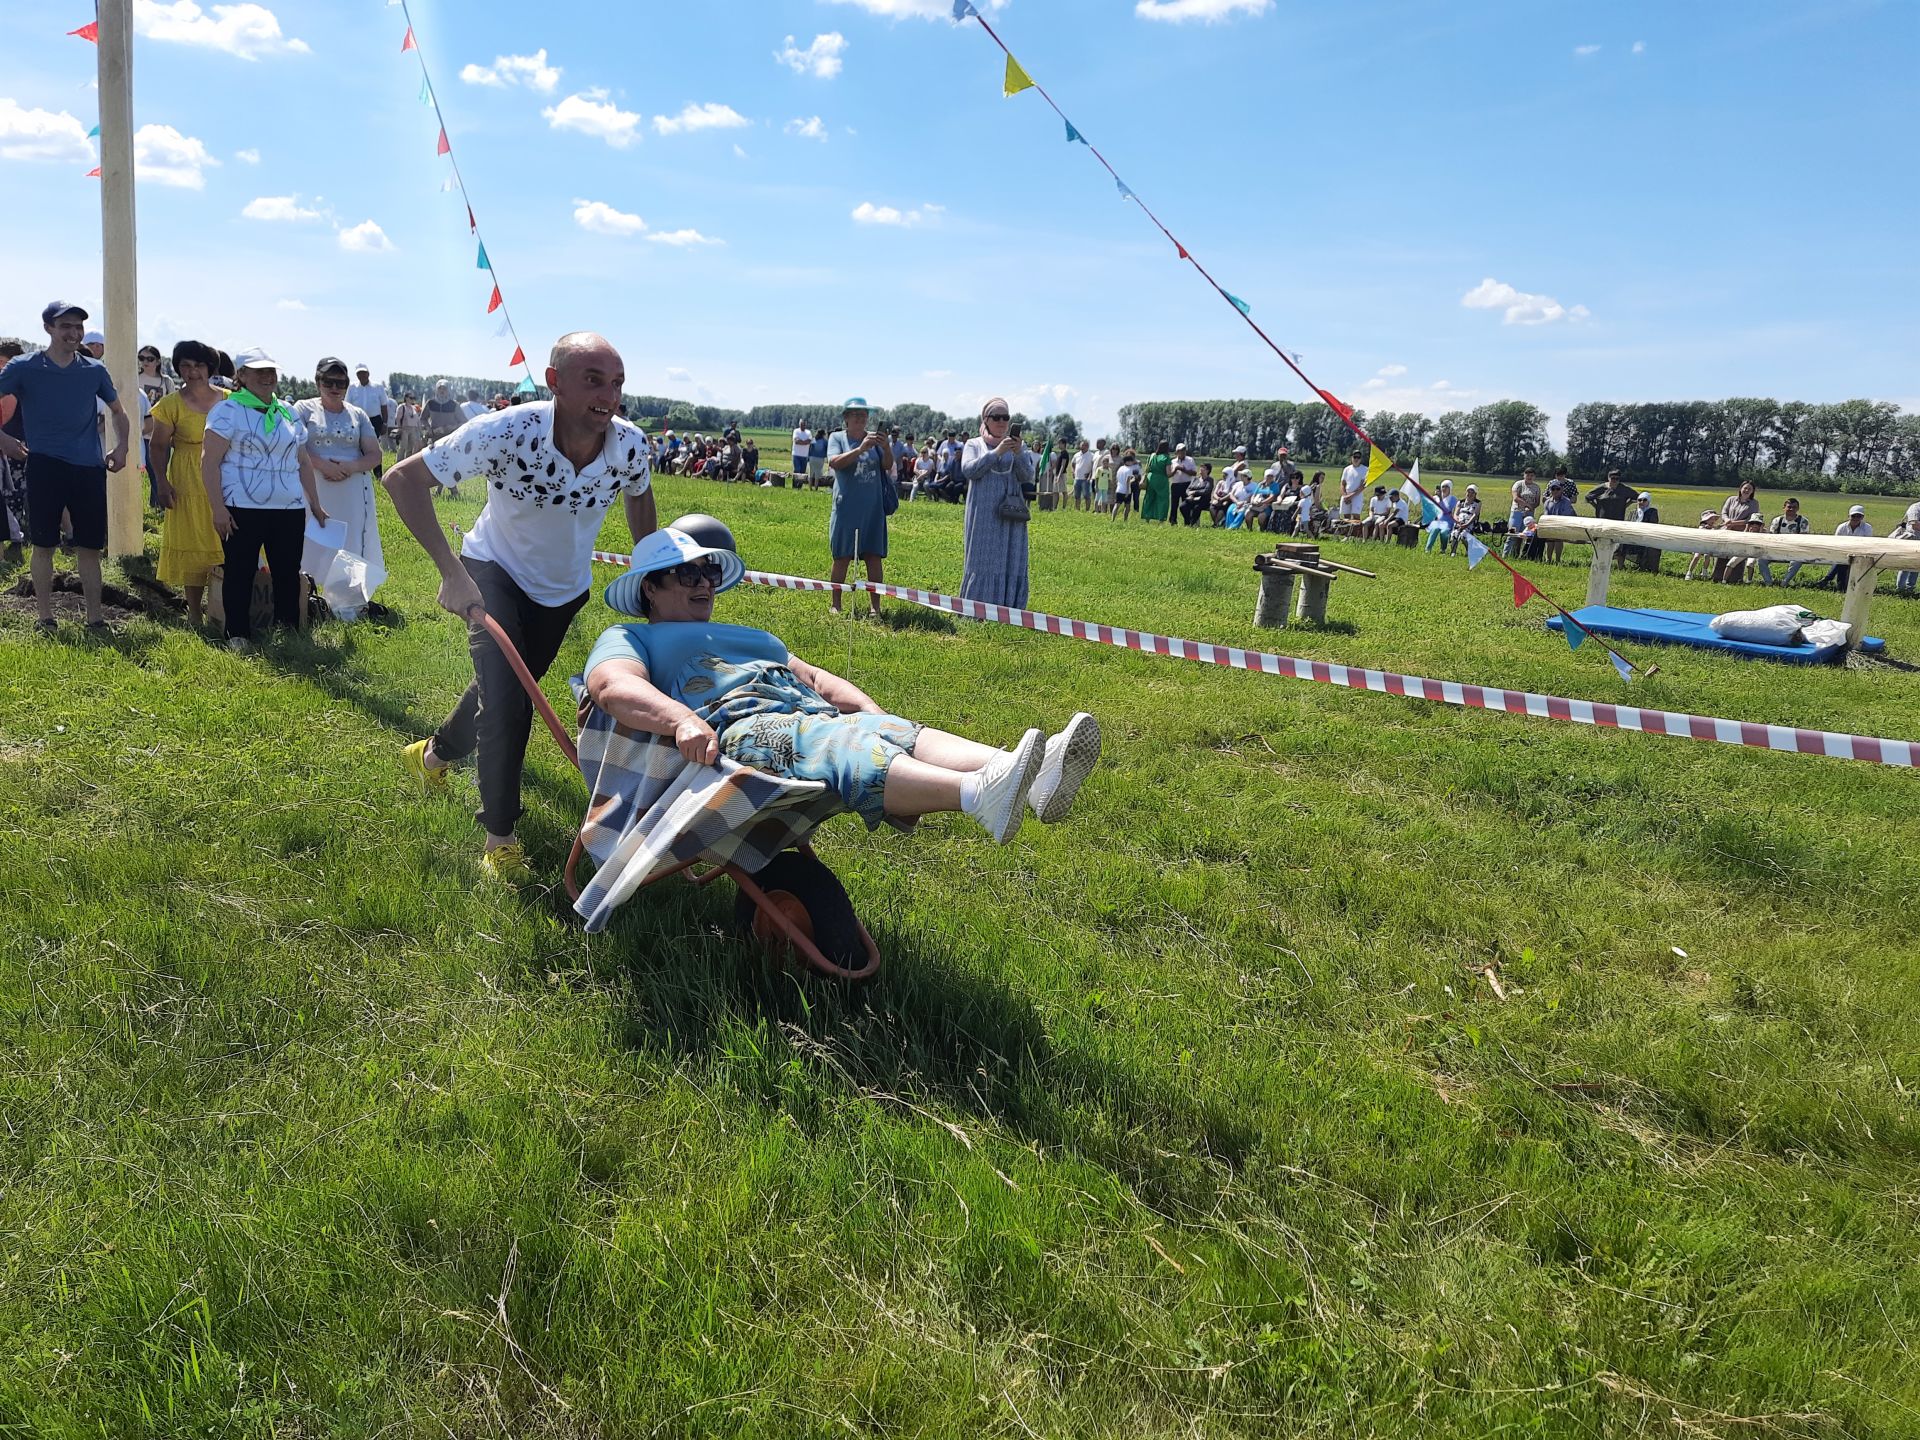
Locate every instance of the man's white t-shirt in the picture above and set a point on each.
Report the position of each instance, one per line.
(1400, 510)
(1083, 463)
(370, 398)
(1353, 481)
(1123, 478)
(542, 516)
(1380, 505)
(1185, 469)
(473, 409)
(802, 441)
(1843, 528)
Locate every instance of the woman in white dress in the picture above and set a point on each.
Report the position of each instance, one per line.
(345, 561)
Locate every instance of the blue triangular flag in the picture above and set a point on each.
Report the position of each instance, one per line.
(506, 329)
(1073, 134)
(1238, 303)
(526, 385)
(1125, 193)
(1626, 670)
(426, 93)
(481, 263)
(963, 8)
(94, 133)
(1573, 633)
(1476, 552)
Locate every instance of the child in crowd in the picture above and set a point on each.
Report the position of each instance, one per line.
(1126, 480)
(1709, 520)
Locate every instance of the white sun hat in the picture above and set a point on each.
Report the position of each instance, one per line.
(662, 550)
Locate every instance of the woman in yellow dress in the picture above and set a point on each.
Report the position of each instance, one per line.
(189, 548)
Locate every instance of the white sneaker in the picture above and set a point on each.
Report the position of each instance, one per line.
(1004, 783)
(1069, 759)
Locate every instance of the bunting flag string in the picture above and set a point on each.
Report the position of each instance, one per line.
(965, 10)
(496, 300)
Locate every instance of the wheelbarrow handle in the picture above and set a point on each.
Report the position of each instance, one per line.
(531, 685)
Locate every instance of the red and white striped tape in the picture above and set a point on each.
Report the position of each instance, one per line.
(1446, 692)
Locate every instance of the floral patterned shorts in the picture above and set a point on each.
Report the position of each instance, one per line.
(848, 753)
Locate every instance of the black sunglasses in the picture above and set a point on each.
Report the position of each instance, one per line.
(329, 383)
(694, 571)
(999, 417)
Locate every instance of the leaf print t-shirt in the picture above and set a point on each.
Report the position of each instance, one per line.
(542, 516)
(724, 672)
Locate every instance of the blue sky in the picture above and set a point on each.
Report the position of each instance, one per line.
(1434, 205)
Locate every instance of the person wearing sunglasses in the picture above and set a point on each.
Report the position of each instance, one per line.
(344, 446)
(999, 473)
(714, 689)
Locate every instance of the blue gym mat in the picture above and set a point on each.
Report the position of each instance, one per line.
(1688, 627)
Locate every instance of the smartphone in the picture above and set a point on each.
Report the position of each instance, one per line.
(1015, 429)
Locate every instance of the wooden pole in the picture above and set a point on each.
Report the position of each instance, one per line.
(126, 492)
(1861, 580)
(1602, 573)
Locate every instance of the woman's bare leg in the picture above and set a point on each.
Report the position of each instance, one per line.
(951, 752)
(915, 787)
(875, 566)
(838, 577)
(196, 604)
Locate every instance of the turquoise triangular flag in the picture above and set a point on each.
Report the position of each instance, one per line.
(94, 133)
(526, 385)
(963, 8)
(1073, 134)
(426, 92)
(1626, 670)
(481, 263)
(1573, 633)
(1125, 193)
(1476, 552)
(1239, 304)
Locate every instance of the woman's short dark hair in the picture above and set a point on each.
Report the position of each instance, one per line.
(198, 353)
(224, 368)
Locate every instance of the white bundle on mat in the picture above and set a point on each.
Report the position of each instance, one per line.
(1779, 625)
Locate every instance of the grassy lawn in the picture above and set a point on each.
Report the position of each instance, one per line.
(1189, 1117)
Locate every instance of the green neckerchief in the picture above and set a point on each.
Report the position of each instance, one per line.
(274, 409)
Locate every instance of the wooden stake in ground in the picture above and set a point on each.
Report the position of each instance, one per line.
(120, 291)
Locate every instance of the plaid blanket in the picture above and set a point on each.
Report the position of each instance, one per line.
(651, 809)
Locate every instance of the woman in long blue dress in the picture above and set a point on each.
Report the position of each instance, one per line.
(999, 472)
(863, 493)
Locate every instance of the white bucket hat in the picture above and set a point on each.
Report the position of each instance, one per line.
(662, 550)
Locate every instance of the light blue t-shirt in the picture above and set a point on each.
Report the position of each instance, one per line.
(695, 663)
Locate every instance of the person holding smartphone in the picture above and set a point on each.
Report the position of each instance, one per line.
(863, 496)
(999, 471)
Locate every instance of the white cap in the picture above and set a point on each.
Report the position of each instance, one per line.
(363, 366)
(255, 358)
(1858, 510)
(1646, 497)
(93, 337)
(1238, 449)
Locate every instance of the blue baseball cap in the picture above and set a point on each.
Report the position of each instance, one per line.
(57, 308)
(662, 550)
(856, 403)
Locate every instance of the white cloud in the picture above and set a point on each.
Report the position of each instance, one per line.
(1389, 371)
(683, 237)
(279, 207)
(868, 213)
(911, 9)
(809, 129)
(1520, 307)
(166, 157)
(365, 238)
(821, 58)
(1639, 47)
(602, 219)
(592, 113)
(1377, 395)
(249, 157)
(41, 135)
(533, 71)
(1206, 11)
(710, 116)
(247, 31)
(1585, 50)
(679, 373)
(290, 305)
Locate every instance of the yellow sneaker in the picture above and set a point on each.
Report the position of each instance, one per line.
(506, 863)
(414, 757)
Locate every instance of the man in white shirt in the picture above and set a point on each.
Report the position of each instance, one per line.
(1084, 461)
(474, 407)
(1379, 515)
(802, 442)
(1353, 489)
(374, 400)
(550, 471)
(1854, 527)
(1182, 473)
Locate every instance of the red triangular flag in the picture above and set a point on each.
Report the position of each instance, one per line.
(473, 225)
(407, 44)
(93, 174)
(495, 302)
(1182, 249)
(1523, 590)
(445, 148)
(88, 31)
(519, 356)
(1344, 411)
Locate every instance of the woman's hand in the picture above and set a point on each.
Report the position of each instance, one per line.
(163, 493)
(319, 514)
(223, 522)
(695, 740)
(1007, 446)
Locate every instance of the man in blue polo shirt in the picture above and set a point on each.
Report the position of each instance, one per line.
(58, 391)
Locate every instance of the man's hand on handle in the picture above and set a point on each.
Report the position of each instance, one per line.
(459, 595)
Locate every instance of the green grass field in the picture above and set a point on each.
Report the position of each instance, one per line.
(1190, 1117)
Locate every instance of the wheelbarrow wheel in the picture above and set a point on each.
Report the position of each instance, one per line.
(812, 897)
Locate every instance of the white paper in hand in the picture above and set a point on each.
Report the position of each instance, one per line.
(330, 536)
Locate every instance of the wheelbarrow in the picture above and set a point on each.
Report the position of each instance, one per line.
(793, 904)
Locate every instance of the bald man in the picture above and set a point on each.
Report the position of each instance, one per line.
(550, 471)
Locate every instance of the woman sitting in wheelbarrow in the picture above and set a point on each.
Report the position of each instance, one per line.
(730, 689)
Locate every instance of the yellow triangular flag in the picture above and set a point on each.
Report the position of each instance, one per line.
(1017, 79)
(1378, 465)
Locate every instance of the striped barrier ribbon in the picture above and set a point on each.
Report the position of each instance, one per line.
(1787, 738)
